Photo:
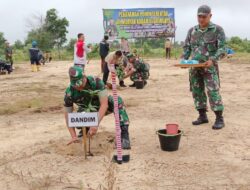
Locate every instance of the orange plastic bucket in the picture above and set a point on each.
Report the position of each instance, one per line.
(172, 129)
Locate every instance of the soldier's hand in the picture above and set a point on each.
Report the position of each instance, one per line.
(93, 131)
(209, 63)
(73, 140)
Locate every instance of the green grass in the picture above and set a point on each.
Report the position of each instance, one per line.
(22, 55)
(21, 106)
(243, 58)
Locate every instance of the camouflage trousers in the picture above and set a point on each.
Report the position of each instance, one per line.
(9, 59)
(137, 75)
(201, 78)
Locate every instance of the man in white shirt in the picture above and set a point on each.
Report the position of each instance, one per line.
(80, 51)
(168, 48)
(112, 58)
(125, 46)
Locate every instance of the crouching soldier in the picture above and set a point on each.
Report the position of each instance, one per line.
(90, 95)
(5, 66)
(137, 69)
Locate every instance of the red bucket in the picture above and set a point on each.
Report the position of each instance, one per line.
(172, 129)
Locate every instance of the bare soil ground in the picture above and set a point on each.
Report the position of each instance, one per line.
(33, 136)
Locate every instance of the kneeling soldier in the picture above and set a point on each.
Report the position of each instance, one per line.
(138, 69)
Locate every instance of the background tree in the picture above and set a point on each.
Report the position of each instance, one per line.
(2, 43)
(18, 45)
(37, 31)
(42, 37)
(70, 45)
(57, 28)
(238, 44)
(49, 31)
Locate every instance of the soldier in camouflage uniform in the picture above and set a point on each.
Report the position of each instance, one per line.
(90, 95)
(139, 69)
(206, 44)
(8, 54)
(120, 69)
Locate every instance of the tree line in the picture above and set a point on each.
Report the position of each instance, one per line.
(50, 32)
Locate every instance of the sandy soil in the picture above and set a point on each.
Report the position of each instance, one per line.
(33, 136)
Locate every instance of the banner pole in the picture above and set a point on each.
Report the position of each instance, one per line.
(174, 41)
(142, 43)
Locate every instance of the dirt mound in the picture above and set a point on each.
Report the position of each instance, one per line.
(100, 144)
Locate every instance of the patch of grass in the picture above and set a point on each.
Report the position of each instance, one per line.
(20, 106)
(43, 104)
(132, 103)
(239, 58)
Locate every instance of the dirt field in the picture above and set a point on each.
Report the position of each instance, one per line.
(33, 136)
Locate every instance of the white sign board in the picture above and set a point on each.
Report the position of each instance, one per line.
(83, 119)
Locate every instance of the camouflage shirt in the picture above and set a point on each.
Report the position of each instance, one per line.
(124, 120)
(140, 66)
(203, 45)
(8, 52)
(88, 98)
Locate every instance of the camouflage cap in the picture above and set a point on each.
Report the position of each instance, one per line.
(76, 76)
(130, 55)
(204, 10)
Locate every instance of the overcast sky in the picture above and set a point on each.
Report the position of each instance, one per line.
(86, 15)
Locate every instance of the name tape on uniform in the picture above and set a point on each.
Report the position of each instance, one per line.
(83, 119)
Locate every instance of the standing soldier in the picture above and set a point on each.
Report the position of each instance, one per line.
(206, 44)
(8, 54)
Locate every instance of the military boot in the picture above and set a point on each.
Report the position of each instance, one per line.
(125, 137)
(38, 67)
(219, 121)
(122, 84)
(32, 68)
(202, 117)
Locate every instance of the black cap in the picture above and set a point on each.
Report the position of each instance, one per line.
(204, 10)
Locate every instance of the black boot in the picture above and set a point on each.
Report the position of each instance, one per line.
(132, 85)
(219, 121)
(125, 137)
(145, 83)
(122, 84)
(202, 117)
